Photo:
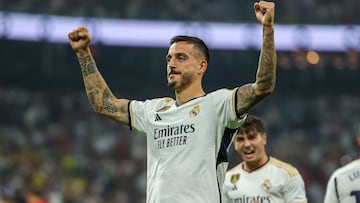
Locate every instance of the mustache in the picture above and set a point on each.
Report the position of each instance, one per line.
(174, 72)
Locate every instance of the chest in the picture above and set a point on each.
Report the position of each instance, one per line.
(175, 130)
(262, 187)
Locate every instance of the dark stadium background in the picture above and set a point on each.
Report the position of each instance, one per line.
(51, 142)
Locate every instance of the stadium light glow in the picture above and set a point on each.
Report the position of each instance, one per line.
(143, 33)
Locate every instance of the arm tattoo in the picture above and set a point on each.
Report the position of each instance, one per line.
(87, 65)
(100, 96)
(265, 77)
(106, 103)
(246, 98)
(124, 109)
(91, 97)
(93, 82)
(250, 94)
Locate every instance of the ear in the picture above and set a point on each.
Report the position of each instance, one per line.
(203, 66)
(264, 138)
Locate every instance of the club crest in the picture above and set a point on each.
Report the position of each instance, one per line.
(195, 111)
(266, 185)
(234, 178)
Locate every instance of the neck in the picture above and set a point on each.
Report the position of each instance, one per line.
(254, 166)
(191, 92)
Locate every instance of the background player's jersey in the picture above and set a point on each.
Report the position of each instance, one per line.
(186, 145)
(344, 184)
(274, 182)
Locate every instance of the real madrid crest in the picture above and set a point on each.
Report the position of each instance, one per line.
(266, 185)
(195, 111)
(234, 178)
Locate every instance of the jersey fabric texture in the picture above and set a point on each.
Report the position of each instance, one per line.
(186, 145)
(344, 184)
(274, 182)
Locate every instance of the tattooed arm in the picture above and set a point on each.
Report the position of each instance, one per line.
(250, 94)
(100, 96)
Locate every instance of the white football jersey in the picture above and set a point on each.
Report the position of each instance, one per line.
(187, 145)
(344, 184)
(274, 182)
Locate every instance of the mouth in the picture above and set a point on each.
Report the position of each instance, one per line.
(248, 154)
(173, 73)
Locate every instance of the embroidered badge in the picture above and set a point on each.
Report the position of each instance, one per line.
(266, 185)
(195, 111)
(234, 178)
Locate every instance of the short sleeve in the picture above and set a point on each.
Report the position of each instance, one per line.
(330, 194)
(137, 112)
(295, 190)
(224, 102)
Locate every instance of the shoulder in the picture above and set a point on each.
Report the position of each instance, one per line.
(233, 174)
(223, 95)
(236, 168)
(163, 101)
(348, 167)
(155, 101)
(286, 167)
(222, 91)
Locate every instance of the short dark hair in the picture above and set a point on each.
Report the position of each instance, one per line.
(197, 42)
(252, 123)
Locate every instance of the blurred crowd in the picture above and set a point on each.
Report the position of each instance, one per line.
(290, 11)
(53, 145)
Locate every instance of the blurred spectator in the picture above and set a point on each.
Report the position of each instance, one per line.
(35, 196)
(290, 11)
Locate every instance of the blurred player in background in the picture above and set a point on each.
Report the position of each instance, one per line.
(187, 137)
(344, 183)
(260, 178)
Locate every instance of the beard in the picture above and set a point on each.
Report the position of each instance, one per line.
(185, 81)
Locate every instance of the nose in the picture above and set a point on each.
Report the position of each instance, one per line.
(171, 64)
(246, 143)
(171, 67)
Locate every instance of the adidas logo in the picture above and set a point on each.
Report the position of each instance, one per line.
(157, 117)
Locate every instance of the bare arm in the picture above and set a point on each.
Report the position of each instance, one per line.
(99, 94)
(250, 94)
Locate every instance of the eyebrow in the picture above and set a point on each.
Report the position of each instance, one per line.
(176, 55)
(251, 134)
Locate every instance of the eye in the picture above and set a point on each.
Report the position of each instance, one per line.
(252, 136)
(239, 139)
(168, 59)
(182, 57)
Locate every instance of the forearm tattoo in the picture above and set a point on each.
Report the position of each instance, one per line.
(99, 94)
(250, 94)
(91, 96)
(266, 71)
(87, 65)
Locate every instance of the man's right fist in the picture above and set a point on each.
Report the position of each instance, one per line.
(77, 34)
(265, 12)
(79, 39)
(74, 36)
